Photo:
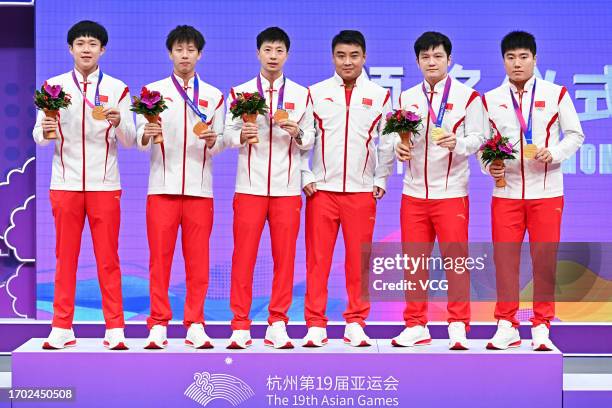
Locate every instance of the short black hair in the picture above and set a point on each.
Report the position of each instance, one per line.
(432, 39)
(273, 34)
(349, 37)
(516, 40)
(185, 34)
(87, 28)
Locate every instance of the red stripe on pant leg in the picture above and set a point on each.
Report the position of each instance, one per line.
(104, 215)
(544, 226)
(250, 213)
(196, 226)
(357, 219)
(322, 224)
(451, 217)
(68, 209)
(417, 237)
(163, 217)
(508, 228)
(284, 223)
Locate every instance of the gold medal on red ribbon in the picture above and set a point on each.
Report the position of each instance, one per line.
(281, 115)
(98, 113)
(529, 151)
(200, 127)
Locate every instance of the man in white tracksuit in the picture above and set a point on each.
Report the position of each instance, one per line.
(268, 187)
(85, 181)
(435, 201)
(532, 113)
(180, 185)
(349, 173)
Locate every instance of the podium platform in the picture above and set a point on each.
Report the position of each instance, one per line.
(587, 390)
(334, 375)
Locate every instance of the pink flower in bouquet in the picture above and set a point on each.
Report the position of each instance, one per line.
(149, 98)
(411, 116)
(389, 115)
(506, 148)
(52, 90)
(234, 103)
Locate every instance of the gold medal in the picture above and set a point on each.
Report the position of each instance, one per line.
(437, 133)
(200, 127)
(529, 151)
(98, 113)
(281, 115)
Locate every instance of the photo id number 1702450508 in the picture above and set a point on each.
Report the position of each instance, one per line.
(37, 394)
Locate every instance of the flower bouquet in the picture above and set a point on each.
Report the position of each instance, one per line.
(496, 150)
(50, 99)
(150, 104)
(406, 123)
(247, 106)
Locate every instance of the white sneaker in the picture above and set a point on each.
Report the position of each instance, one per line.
(412, 336)
(276, 336)
(540, 340)
(197, 337)
(59, 339)
(316, 337)
(158, 338)
(457, 338)
(355, 336)
(240, 339)
(505, 337)
(114, 339)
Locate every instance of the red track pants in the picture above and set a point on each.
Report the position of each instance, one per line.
(164, 215)
(103, 212)
(326, 212)
(250, 215)
(510, 219)
(422, 220)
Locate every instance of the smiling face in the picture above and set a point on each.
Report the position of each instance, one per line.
(86, 52)
(184, 56)
(272, 57)
(519, 64)
(434, 64)
(349, 60)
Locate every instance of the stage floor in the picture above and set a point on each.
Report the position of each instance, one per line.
(270, 373)
(335, 346)
(334, 375)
